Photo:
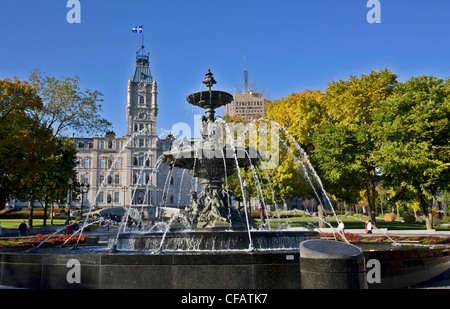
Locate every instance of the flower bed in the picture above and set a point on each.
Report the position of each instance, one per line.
(37, 239)
(381, 238)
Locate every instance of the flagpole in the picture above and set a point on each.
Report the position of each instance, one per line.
(142, 36)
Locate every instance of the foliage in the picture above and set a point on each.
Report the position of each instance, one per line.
(300, 113)
(344, 145)
(66, 106)
(414, 140)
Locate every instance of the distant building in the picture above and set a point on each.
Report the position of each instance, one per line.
(248, 104)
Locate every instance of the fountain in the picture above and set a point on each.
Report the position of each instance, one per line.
(214, 223)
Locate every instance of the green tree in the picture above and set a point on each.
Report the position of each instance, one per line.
(345, 144)
(414, 139)
(52, 184)
(17, 128)
(66, 107)
(300, 113)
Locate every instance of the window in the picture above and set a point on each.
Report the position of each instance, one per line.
(141, 142)
(102, 163)
(85, 179)
(117, 145)
(141, 161)
(86, 163)
(102, 145)
(100, 197)
(141, 100)
(101, 178)
(116, 197)
(140, 197)
(141, 127)
(117, 163)
(117, 179)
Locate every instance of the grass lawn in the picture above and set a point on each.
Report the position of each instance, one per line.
(37, 223)
(350, 223)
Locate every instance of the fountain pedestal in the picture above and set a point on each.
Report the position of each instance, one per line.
(212, 161)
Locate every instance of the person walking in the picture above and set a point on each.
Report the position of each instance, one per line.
(23, 228)
(341, 227)
(369, 227)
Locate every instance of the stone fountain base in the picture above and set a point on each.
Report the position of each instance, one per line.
(55, 268)
(206, 240)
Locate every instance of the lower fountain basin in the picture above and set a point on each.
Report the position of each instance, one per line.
(199, 240)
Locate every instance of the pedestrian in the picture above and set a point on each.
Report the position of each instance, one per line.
(369, 227)
(23, 228)
(69, 228)
(341, 227)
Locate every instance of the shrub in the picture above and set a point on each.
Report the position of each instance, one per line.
(390, 217)
(408, 218)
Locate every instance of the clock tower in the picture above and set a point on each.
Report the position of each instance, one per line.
(141, 130)
(141, 99)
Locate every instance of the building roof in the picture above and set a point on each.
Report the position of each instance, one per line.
(142, 70)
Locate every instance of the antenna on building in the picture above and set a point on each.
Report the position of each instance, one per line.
(245, 74)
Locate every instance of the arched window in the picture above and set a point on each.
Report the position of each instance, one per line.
(141, 100)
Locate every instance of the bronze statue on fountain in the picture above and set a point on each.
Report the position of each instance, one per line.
(212, 161)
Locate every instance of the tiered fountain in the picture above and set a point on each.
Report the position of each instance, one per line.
(214, 223)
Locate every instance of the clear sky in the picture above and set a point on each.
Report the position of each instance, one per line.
(289, 45)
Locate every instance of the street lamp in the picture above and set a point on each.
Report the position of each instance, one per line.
(83, 189)
(69, 198)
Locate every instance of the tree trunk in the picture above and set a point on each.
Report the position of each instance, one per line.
(427, 210)
(371, 202)
(31, 206)
(45, 210)
(320, 213)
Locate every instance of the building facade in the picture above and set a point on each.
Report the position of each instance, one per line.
(249, 105)
(124, 171)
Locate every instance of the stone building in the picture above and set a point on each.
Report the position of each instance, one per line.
(123, 171)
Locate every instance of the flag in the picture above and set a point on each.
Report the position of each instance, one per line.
(137, 29)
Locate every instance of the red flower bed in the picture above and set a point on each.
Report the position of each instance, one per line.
(381, 238)
(37, 239)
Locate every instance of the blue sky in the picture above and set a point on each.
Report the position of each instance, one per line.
(290, 45)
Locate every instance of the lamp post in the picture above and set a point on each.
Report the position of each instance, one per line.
(69, 198)
(124, 188)
(83, 189)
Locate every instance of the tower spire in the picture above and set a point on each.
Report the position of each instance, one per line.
(142, 71)
(245, 74)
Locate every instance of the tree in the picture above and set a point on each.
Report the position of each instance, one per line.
(52, 184)
(17, 128)
(413, 132)
(66, 106)
(345, 144)
(300, 113)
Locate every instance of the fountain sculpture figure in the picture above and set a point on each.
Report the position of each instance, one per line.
(211, 161)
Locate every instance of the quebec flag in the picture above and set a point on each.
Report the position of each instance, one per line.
(137, 29)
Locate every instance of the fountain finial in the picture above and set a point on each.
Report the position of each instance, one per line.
(209, 81)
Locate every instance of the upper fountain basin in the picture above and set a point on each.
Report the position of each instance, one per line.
(209, 99)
